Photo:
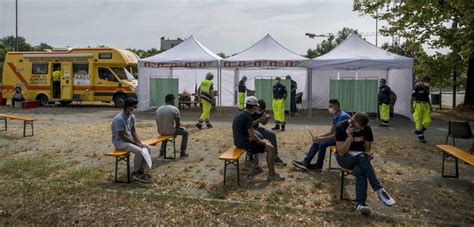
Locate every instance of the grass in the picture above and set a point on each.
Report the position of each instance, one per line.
(30, 167)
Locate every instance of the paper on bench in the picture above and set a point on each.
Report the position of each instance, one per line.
(146, 156)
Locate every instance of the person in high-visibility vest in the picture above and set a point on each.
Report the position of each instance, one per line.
(384, 103)
(57, 81)
(206, 95)
(242, 92)
(278, 105)
(421, 107)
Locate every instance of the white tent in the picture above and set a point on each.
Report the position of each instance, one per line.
(356, 58)
(189, 61)
(267, 58)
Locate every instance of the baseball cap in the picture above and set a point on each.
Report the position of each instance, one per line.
(251, 100)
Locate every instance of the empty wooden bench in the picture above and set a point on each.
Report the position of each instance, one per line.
(344, 172)
(26, 121)
(231, 157)
(456, 153)
(125, 155)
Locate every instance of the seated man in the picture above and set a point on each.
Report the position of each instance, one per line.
(320, 143)
(260, 116)
(168, 124)
(124, 137)
(17, 96)
(353, 142)
(244, 137)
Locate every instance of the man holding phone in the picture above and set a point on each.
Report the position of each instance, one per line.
(320, 143)
(353, 142)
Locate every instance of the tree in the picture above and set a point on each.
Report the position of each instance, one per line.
(9, 42)
(331, 42)
(42, 47)
(439, 24)
(221, 54)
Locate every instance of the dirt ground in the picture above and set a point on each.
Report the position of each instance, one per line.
(60, 175)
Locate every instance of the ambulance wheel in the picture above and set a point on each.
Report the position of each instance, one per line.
(43, 100)
(65, 103)
(119, 100)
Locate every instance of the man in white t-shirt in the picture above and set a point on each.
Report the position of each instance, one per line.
(168, 123)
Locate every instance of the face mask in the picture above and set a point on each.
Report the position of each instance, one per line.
(426, 84)
(331, 110)
(132, 110)
(357, 129)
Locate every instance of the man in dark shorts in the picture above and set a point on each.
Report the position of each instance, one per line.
(353, 142)
(245, 138)
(261, 117)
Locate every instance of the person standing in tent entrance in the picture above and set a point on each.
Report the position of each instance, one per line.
(384, 103)
(421, 107)
(57, 81)
(242, 92)
(293, 86)
(279, 95)
(206, 95)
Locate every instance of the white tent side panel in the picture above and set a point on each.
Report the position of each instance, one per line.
(401, 82)
(144, 84)
(398, 80)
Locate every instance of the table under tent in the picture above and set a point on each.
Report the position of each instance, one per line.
(351, 73)
(261, 63)
(174, 71)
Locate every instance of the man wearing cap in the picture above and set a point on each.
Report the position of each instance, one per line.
(206, 95)
(261, 117)
(278, 104)
(384, 103)
(293, 87)
(242, 91)
(245, 138)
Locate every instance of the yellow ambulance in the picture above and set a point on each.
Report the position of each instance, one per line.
(80, 74)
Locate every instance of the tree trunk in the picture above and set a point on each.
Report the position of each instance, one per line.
(469, 96)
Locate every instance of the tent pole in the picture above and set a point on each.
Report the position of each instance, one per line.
(236, 81)
(310, 91)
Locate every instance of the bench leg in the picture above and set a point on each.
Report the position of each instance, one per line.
(128, 168)
(343, 176)
(25, 123)
(445, 157)
(225, 170)
(116, 168)
(330, 161)
(4, 128)
(238, 173)
(174, 149)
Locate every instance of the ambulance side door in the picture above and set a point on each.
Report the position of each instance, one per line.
(106, 83)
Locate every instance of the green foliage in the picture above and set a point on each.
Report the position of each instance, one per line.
(145, 53)
(221, 54)
(332, 41)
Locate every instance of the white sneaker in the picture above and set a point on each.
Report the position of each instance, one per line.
(385, 197)
(363, 210)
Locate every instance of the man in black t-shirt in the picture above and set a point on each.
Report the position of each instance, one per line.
(353, 142)
(421, 107)
(244, 137)
(261, 117)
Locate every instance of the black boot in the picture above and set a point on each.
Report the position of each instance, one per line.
(277, 126)
(420, 136)
(208, 124)
(283, 126)
(199, 124)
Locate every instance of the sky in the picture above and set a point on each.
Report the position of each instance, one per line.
(229, 26)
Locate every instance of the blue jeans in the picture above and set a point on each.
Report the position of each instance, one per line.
(363, 170)
(321, 147)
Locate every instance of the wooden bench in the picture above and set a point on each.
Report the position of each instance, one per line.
(125, 155)
(181, 104)
(26, 121)
(121, 156)
(333, 150)
(456, 153)
(231, 157)
(344, 172)
(158, 139)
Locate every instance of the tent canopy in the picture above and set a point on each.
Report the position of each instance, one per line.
(266, 52)
(357, 53)
(188, 54)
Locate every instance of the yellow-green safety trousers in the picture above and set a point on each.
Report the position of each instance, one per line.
(241, 100)
(384, 111)
(278, 106)
(421, 115)
(206, 110)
